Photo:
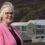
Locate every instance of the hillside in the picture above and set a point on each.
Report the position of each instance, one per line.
(28, 9)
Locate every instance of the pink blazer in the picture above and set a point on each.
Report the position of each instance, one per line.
(6, 37)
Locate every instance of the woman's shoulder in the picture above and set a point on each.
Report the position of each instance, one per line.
(1, 26)
(0, 22)
(0, 29)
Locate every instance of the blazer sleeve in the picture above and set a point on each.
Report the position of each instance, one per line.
(1, 38)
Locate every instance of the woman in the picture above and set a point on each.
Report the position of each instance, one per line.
(8, 34)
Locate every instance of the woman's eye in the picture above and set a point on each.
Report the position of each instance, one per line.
(8, 12)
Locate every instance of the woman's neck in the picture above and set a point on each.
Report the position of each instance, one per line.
(7, 24)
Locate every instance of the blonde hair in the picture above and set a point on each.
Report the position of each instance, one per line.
(5, 4)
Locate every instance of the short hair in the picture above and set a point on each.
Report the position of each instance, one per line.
(6, 4)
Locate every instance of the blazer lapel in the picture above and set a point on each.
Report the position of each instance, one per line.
(15, 30)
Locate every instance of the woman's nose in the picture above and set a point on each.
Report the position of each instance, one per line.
(10, 15)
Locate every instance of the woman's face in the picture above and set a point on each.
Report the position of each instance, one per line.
(7, 14)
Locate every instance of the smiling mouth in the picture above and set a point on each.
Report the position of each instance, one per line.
(9, 17)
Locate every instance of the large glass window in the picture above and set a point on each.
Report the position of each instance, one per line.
(39, 26)
(39, 29)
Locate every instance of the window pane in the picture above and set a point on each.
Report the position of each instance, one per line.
(24, 28)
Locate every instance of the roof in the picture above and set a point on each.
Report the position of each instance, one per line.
(36, 22)
(19, 23)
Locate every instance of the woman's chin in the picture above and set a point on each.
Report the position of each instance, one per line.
(9, 21)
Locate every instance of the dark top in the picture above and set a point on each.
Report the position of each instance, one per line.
(16, 37)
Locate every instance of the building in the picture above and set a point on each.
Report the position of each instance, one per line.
(24, 30)
(38, 29)
(32, 30)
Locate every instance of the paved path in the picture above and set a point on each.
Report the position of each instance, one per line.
(27, 43)
(39, 43)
